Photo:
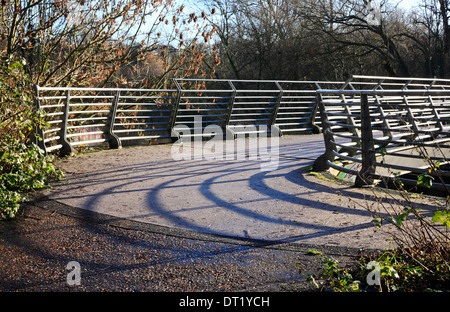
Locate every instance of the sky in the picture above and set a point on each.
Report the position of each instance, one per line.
(409, 4)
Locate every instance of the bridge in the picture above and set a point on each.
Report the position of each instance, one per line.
(215, 178)
(388, 130)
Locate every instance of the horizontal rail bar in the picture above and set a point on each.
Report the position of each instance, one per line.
(101, 89)
(385, 92)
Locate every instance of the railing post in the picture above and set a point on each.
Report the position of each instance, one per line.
(439, 123)
(38, 134)
(277, 108)
(364, 177)
(113, 139)
(411, 119)
(66, 149)
(314, 126)
(348, 82)
(229, 132)
(387, 131)
(321, 163)
(174, 134)
(351, 121)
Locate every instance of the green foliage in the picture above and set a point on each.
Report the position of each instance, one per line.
(385, 267)
(425, 179)
(314, 252)
(17, 112)
(23, 166)
(9, 203)
(413, 270)
(334, 278)
(398, 219)
(396, 270)
(442, 217)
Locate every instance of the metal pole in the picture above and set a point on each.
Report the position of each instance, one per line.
(229, 132)
(277, 104)
(364, 177)
(113, 139)
(66, 149)
(316, 128)
(321, 163)
(38, 135)
(174, 134)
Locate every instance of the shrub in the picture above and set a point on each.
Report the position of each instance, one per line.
(421, 260)
(23, 165)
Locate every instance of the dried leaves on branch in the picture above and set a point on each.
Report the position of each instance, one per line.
(99, 43)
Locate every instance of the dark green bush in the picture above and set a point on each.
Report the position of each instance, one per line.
(23, 166)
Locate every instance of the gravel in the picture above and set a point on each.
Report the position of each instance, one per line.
(117, 255)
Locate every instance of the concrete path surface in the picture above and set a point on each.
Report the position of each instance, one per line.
(241, 195)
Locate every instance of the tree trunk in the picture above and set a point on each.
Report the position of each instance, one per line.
(444, 8)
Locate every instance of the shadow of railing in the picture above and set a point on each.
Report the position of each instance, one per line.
(221, 197)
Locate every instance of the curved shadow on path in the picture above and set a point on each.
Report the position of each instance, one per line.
(209, 179)
(257, 183)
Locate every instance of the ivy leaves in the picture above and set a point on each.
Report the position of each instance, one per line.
(23, 165)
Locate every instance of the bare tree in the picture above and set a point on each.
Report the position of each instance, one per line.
(369, 28)
(262, 38)
(87, 42)
(432, 36)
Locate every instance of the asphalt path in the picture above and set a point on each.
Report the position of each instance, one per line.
(254, 189)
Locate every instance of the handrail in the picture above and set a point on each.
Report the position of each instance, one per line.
(117, 115)
(393, 133)
(386, 92)
(388, 119)
(40, 88)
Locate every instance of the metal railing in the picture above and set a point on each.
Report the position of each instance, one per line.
(395, 130)
(85, 116)
(360, 82)
(373, 127)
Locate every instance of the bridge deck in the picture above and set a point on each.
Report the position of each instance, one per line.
(231, 197)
